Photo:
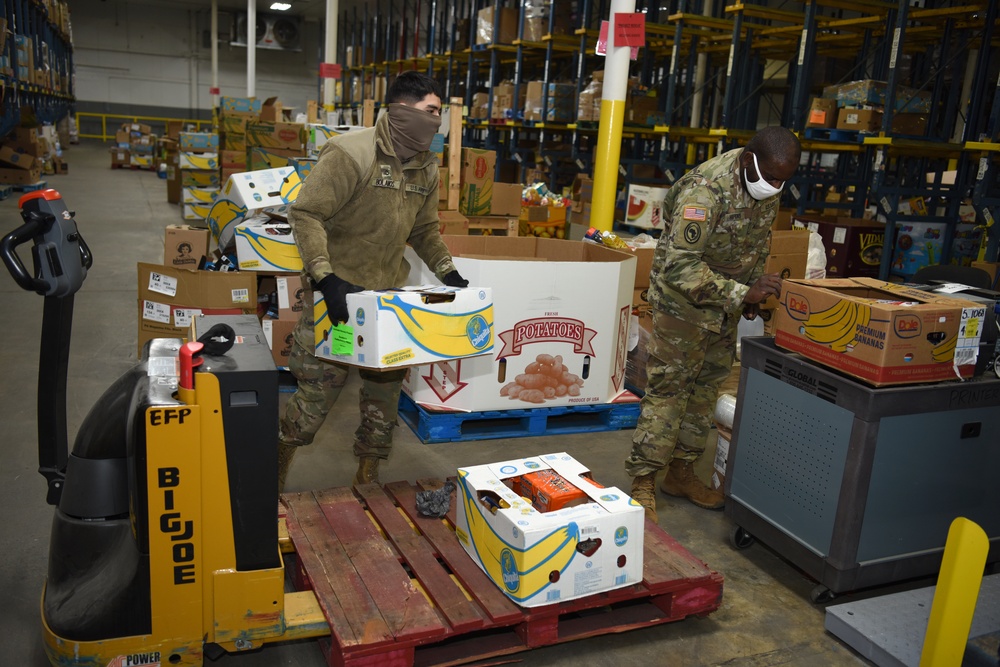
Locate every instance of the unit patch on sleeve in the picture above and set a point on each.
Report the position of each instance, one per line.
(692, 233)
(696, 213)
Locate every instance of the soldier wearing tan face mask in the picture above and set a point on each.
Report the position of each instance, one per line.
(371, 193)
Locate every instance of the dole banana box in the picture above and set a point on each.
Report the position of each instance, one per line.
(265, 245)
(562, 313)
(538, 558)
(882, 333)
(407, 326)
(247, 194)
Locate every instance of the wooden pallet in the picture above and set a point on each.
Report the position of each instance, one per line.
(433, 426)
(398, 589)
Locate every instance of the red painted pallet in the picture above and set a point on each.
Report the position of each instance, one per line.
(399, 590)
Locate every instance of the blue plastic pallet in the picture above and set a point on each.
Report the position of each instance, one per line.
(40, 185)
(431, 426)
(831, 134)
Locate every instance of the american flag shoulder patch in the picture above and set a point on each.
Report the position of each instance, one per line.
(696, 213)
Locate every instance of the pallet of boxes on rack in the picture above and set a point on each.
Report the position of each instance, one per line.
(847, 110)
(134, 147)
(25, 154)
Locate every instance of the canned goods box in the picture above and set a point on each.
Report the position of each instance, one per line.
(879, 332)
(538, 558)
(408, 326)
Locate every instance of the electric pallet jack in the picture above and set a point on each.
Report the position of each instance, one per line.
(164, 546)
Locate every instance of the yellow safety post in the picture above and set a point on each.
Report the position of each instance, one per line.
(609, 135)
(955, 598)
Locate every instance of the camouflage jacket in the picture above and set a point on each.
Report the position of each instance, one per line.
(361, 206)
(714, 245)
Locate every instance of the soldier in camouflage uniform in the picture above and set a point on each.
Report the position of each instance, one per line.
(371, 193)
(707, 270)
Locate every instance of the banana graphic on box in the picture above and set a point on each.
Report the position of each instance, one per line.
(224, 212)
(521, 572)
(945, 351)
(442, 334)
(283, 255)
(837, 326)
(290, 187)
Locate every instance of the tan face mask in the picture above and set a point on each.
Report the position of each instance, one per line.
(411, 130)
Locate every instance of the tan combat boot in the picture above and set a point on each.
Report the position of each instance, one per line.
(285, 455)
(644, 493)
(367, 470)
(680, 481)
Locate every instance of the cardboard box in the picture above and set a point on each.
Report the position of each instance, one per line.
(505, 29)
(269, 158)
(303, 165)
(234, 159)
(408, 326)
(645, 206)
(276, 135)
(184, 246)
(199, 178)
(278, 334)
(506, 199)
(15, 176)
(265, 245)
(540, 311)
(13, 158)
(910, 123)
(272, 110)
(882, 333)
(239, 104)
(822, 113)
(236, 123)
(249, 193)
(317, 135)
(453, 222)
(442, 185)
(861, 120)
(478, 167)
(582, 191)
(853, 247)
(120, 157)
(197, 212)
(788, 242)
(292, 297)
(142, 161)
(868, 91)
(198, 161)
(199, 141)
(199, 195)
(991, 268)
(170, 297)
(593, 547)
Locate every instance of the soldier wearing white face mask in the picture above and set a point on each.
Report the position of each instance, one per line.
(707, 270)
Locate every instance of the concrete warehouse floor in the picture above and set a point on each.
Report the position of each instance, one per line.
(765, 618)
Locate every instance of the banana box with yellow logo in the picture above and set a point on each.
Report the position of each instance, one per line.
(247, 194)
(263, 244)
(538, 558)
(199, 195)
(407, 326)
(882, 333)
(195, 211)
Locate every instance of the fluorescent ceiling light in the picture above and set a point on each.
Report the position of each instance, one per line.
(281, 6)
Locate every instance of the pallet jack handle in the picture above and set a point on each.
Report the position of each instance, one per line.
(60, 261)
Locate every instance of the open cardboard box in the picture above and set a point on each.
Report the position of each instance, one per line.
(539, 558)
(562, 309)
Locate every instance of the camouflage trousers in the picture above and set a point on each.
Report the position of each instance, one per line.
(319, 385)
(685, 367)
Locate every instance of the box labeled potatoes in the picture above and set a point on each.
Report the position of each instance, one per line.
(882, 333)
(590, 545)
(562, 317)
(406, 326)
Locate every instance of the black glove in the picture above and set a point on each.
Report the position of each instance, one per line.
(454, 279)
(335, 293)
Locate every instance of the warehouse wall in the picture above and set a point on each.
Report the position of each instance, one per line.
(155, 59)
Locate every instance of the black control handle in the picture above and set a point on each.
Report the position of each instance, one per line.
(29, 231)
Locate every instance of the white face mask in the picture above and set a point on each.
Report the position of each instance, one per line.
(760, 189)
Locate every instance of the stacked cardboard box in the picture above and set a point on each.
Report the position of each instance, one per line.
(478, 167)
(503, 28)
(21, 157)
(271, 140)
(141, 144)
(641, 108)
(788, 258)
(588, 107)
(285, 297)
(861, 104)
(557, 99)
(316, 136)
(198, 164)
(235, 113)
(504, 107)
(479, 110)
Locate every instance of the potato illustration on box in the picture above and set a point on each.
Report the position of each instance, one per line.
(544, 378)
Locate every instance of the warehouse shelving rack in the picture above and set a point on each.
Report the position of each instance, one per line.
(30, 18)
(733, 57)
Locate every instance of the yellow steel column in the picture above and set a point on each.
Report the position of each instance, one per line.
(609, 136)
